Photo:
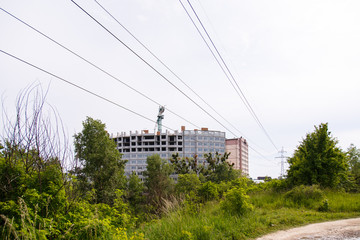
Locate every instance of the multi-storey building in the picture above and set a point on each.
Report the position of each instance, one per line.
(137, 146)
(239, 154)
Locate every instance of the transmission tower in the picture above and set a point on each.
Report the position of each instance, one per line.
(282, 156)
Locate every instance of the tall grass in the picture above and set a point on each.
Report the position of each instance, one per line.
(343, 202)
(273, 211)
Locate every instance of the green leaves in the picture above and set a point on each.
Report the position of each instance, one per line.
(158, 182)
(318, 160)
(102, 168)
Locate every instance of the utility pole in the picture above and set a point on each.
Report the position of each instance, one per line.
(282, 174)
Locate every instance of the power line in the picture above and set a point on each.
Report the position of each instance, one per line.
(94, 65)
(167, 67)
(149, 65)
(90, 92)
(242, 97)
(81, 88)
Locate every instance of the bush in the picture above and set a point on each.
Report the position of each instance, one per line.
(236, 201)
(208, 191)
(324, 206)
(306, 196)
(277, 185)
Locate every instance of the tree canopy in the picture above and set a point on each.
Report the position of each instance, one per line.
(157, 179)
(101, 166)
(353, 154)
(318, 160)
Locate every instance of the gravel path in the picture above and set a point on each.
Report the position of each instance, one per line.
(336, 230)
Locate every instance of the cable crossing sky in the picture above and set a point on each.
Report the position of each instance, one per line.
(239, 91)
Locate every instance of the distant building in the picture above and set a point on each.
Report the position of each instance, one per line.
(239, 154)
(137, 146)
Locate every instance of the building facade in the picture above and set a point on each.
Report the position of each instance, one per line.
(137, 146)
(239, 154)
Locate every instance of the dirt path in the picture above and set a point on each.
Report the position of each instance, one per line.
(341, 229)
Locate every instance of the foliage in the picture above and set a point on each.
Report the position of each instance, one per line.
(214, 223)
(186, 165)
(187, 183)
(40, 200)
(273, 185)
(158, 183)
(135, 193)
(101, 166)
(306, 196)
(353, 154)
(236, 201)
(218, 169)
(318, 160)
(208, 191)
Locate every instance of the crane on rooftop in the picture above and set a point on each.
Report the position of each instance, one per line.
(160, 117)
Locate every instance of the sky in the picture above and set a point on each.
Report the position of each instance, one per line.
(297, 63)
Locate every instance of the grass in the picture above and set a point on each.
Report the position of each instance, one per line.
(272, 212)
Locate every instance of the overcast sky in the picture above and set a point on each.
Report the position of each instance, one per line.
(297, 62)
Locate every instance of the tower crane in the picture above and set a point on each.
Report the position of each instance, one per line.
(160, 117)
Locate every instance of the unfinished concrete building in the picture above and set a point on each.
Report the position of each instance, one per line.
(137, 146)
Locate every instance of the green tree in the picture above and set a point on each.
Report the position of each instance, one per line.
(31, 167)
(187, 183)
(135, 193)
(354, 162)
(219, 169)
(102, 168)
(318, 160)
(186, 165)
(208, 191)
(157, 179)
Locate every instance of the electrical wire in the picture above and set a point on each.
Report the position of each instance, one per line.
(167, 67)
(153, 68)
(241, 95)
(81, 88)
(102, 70)
(95, 66)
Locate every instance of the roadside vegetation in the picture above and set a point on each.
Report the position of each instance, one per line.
(46, 193)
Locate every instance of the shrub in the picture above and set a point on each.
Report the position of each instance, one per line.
(324, 206)
(306, 196)
(187, 183)
(185, 235)
(277, 185)
(208, 191)
(236, 201)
